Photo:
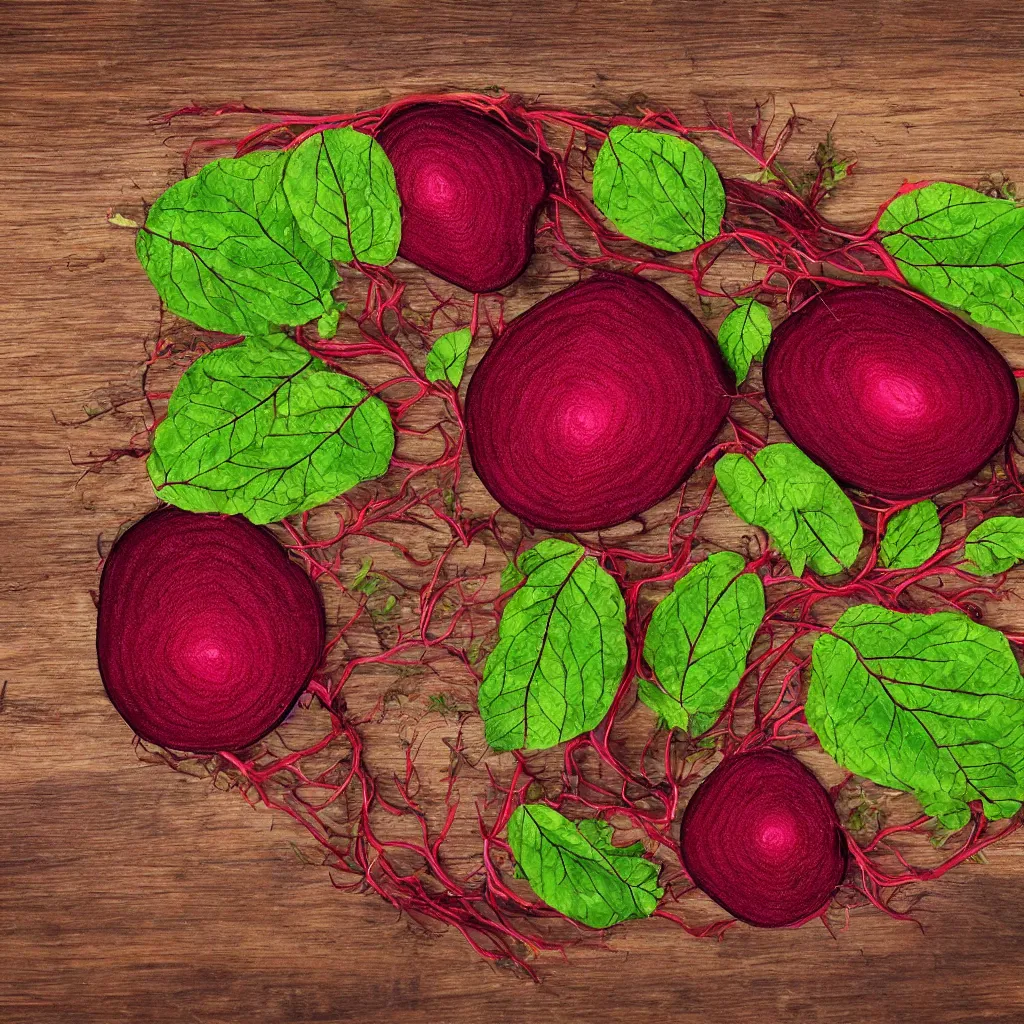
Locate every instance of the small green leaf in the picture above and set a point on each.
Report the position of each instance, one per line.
(119, 220)
(573, 867)
(265, 430)
(995, 545)
(364, 568)
(804, 510)
(447, 357)
(327, 325)
(744, 336)
(560, 654)
(223, 250)
(658, 189)
(911, 537)
(366, 581)
(699, 638)
(929, 704)
(341, 187)
(962, 248)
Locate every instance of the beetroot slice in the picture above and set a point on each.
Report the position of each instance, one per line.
(888, 393)
(760, 836)
(595, 404)
(470, 192)
(207, 631)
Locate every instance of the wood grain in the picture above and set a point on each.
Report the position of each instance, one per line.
(130, 893)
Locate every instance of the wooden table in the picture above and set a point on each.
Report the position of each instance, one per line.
(130, 893)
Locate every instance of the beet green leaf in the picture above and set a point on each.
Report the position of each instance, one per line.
(744, 336)
(447, 357)
(223, 250)
(911, 537)
(511, 575)
(658, 189)
(327, 325)
(561, 651)
(341, 187)
(930, 704)
(961, 248)
(698, 641)
(995, 545)
(804, 510)
(573, 867)
(263, 429)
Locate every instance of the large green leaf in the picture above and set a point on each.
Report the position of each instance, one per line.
(995, 545)
(446, 359)
(560, 654)
(659, 189)
(263, 429)
(341, 187)
(223, 250)
(574, 867)
(744, 336)
(699, 638)
(930, 704)
(962, 248)
(911, 537)
(804, 510)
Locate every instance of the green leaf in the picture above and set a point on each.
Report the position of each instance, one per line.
(995, 545)
(658, 189)
(364, 568)
(804, 510)
(223, 250)
(265, 430)
(912, 536)
(573, 867)
(341, 187)
(511, 576)
(744, 336)
(699, 638)
(560, 654)
(447, 357)
(929, 704)
(327, 325)
(961, 248)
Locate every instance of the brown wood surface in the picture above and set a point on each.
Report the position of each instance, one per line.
(131, 893)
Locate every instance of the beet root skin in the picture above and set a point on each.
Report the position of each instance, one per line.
(470, 190)
(887, 393)
(761, 837)
(207, 632)
(595, 404)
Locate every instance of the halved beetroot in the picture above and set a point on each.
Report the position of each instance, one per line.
(471, 191)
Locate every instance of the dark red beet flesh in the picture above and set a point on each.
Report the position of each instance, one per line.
(760, 836)
(595, 404)
(887, 393)
(470, 192)
(207, 631)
